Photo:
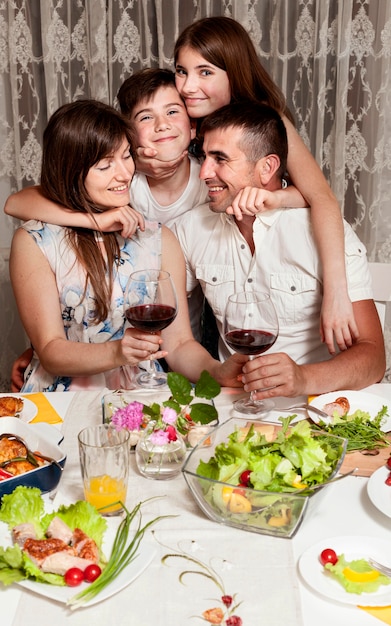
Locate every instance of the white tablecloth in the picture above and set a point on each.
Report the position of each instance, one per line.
(261, 572)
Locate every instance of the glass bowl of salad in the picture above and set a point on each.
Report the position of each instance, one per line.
(259, 476)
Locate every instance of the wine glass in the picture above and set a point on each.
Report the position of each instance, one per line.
(251, 327)
(150, 305)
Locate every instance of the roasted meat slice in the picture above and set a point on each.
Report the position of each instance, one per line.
(22, 532)
(39, 549)
(85, 546)
(10, 406)
(11, 448)
(61, 562)
(60, 530)
(19, 467)
(340, 406)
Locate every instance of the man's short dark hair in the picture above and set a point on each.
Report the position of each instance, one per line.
(263, 129)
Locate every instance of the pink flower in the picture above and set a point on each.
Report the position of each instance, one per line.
(130, 417)
(169, 416)
(171, 432)
(159, 437)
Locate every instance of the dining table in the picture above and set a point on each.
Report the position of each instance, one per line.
(194, 570)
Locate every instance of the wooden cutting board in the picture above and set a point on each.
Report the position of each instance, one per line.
(366, 462)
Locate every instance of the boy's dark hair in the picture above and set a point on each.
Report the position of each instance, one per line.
(143, 84)
(263, 129)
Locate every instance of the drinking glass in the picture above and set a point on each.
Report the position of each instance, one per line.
(150, 305)
(251, 327)
(104, 460)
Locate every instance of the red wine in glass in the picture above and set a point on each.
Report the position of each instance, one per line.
(251, 327)
(151, 317)
(150, 305)
(251, 342)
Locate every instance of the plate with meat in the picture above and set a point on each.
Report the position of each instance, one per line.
(15, 405)
(53, 543)
(341, 403)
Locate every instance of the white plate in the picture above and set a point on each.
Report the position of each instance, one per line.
(379, 493)
(145, 554)
(369, 402)
(29, 410)
(321, 581)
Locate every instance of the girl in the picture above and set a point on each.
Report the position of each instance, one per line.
(216, 63)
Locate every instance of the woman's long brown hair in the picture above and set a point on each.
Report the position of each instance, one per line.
(224, 42)
(77, 136)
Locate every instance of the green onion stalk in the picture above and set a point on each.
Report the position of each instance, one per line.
(123, 552)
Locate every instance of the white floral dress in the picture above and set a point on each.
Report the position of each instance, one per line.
(143, 250)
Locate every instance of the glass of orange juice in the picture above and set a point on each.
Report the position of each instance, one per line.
(104, 460)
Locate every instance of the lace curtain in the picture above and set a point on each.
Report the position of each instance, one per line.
(331, 59)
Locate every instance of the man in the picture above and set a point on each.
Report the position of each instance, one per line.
(245, 148)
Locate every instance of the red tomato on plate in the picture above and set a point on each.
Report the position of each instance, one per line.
(73, 577)
(328, 556)
(91, 573)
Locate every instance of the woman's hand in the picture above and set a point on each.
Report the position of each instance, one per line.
(147, 164)
(124, 219)
(136, 346)
(337, 321)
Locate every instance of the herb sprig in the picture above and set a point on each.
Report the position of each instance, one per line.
(361, 431)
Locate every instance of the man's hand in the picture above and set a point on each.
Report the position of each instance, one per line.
(272, 375)
(124, 219)
(147, 164)
(19, 368)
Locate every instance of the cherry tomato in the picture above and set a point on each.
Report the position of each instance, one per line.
(91, 573)
(328, 556)
(73, 577)
(388, 463)
(388, 480)
(245, 478)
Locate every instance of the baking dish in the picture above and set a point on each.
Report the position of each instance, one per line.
(39, 437)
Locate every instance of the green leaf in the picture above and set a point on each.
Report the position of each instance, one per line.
(207, 386)
(153, 411)
(180, 387)
(202, 413)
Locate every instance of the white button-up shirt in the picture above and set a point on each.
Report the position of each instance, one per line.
(285, 264)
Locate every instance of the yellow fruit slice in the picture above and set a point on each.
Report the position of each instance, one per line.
(239, 504)
(283, 520)
(360, 577)
(226, 494)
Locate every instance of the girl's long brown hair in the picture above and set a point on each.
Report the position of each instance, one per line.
(77, 136)
(224, 42)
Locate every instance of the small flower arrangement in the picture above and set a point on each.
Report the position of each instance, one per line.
(179, 414)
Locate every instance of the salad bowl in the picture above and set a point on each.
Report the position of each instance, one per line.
(259, 476)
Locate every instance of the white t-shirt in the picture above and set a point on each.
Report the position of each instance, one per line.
(141, 198)
(195, 194)
(285, 264)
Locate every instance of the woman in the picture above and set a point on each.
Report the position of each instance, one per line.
(69, 283)
(216, 63)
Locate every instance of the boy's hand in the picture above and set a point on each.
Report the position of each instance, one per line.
(123, 219)
(147, 164)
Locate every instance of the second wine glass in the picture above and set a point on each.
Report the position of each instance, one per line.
(150, 305)
(251, 327)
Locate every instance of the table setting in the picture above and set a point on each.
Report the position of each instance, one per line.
(191, 568)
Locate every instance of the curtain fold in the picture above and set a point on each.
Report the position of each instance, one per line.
(330, 58)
